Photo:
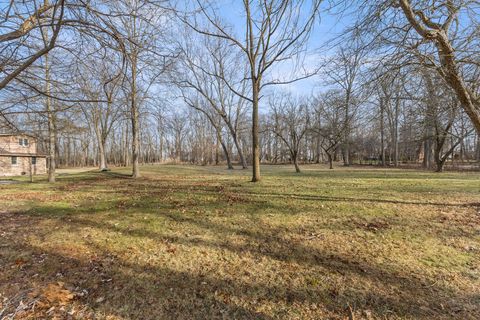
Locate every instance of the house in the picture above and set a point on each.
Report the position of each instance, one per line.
(19, 156)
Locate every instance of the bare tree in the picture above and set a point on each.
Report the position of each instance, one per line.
(330, 110)
(30, 31)
(344, 72)
(136, 26)
(440, 35)
(101, 83)
(201, 68)
(275, 31)
(198, 104)
(290, 124)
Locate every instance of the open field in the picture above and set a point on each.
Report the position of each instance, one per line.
(204, 243)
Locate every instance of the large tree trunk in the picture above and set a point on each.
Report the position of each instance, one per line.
(255, 135)
(103, 157)
(427, 153)
(439, 161)
(477, 151)
(330, 160)
(295, 162)
(430, 114)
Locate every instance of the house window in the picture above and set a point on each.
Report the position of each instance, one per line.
(14, 160)
(34, 160)
(23, 142)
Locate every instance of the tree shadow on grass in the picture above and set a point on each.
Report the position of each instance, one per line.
(396, 291)
(119, 175)
(144, 291)
(161, 189)
(109, 286)
(355, 199)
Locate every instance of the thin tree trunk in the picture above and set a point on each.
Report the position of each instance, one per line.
(135, 120)
(382, 130)
(395, 134)
(51, 126)
(346, 144)
(225, 151)
(240, 152)
(101, 147)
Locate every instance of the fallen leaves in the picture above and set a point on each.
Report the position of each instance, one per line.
(53, 294)
(54, 301)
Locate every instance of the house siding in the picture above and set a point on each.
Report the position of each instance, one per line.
(22, 167)
(10, 147)
(10, 144)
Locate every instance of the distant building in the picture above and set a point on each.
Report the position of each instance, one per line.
(19, 156)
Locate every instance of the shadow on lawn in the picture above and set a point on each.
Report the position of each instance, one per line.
(116, 288)
(162, 189)
(350, 199)
(145, 291)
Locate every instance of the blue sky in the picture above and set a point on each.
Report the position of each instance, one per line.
(327, 27)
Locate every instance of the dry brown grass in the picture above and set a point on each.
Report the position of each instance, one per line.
(203, 243)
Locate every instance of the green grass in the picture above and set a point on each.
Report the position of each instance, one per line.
(188, 242)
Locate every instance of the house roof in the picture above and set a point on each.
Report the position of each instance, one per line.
(9, 134)
(4, 152)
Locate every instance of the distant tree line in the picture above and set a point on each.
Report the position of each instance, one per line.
(126, 83)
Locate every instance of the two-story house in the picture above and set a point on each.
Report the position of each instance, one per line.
(19, 156)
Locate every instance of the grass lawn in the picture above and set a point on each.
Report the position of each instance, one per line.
(188, 242)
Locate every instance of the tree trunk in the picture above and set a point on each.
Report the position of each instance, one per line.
(51, 126)
(240, 152)
(382, 130)
(255, 135)
(477, 151)
(440, 162)
(346, 143)
(318, 150)
(135, 124)
(330, 159)
(295, 162)
(395, 133)
(217, 150)
(227, 155)
(101, 147)
(427, 153)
